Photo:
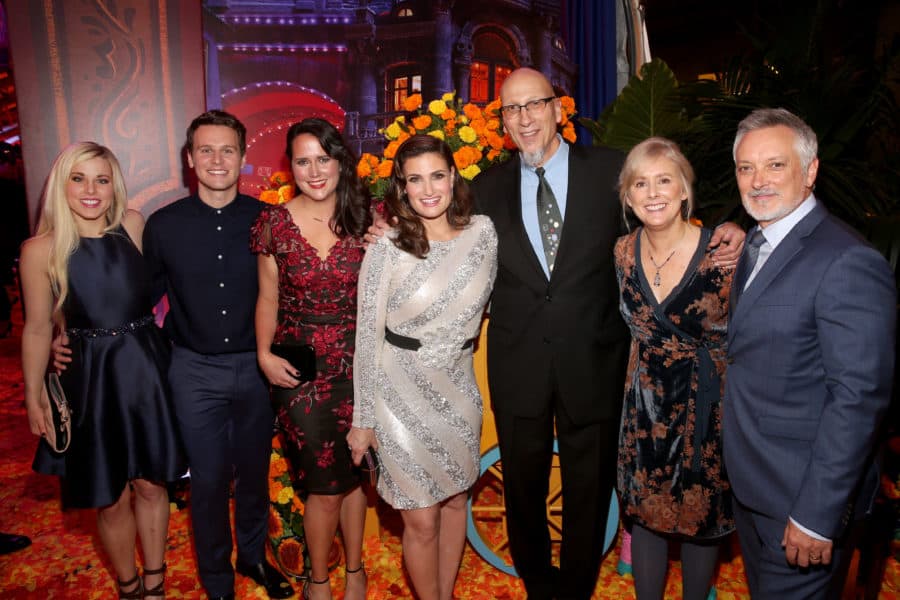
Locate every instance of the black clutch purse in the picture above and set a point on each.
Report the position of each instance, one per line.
(301, 356)
(61, 435)
(370, 466)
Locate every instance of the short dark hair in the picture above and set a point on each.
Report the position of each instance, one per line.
(218, 117)
(411, 235)
(351, 212)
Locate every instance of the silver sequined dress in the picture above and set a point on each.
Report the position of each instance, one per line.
(423, 404)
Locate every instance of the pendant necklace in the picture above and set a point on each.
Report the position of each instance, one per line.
(656, 279)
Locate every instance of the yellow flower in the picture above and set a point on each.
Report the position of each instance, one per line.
(392, 131)
(437, 133)
(448, 97)
(470, 172)
(467, 134)
(285, 495)
(437, 107)
(285, 193)
(412, 103)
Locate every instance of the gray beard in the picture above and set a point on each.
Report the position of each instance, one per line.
(533, 159)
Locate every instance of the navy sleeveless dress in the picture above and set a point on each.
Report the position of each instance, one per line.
(123, 424)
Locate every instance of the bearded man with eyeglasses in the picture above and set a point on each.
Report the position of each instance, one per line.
(557, 344)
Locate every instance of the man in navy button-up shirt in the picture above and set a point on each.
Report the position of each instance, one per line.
(198, 249)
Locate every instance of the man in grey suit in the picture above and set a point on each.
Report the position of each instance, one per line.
(811, 357)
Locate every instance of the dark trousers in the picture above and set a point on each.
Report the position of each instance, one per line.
(226, 421)
(587, 457)
(769, 576)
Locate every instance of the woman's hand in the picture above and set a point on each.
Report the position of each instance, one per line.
(359, 440)
(277, 370)
(40, 419)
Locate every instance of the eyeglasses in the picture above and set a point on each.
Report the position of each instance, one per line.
(533, 107)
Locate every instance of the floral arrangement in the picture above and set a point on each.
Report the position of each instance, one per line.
(473, 133)
(280, 190)
(286, 512)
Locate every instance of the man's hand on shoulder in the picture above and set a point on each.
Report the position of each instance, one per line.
(726, 244)
(378, 228)
(62, 354)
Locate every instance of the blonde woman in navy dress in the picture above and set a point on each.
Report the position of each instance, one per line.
(84, 273)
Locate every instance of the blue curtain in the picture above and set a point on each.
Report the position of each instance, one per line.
(589, 30)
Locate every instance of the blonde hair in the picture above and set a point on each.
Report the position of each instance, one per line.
(56, 217)
(652, 149)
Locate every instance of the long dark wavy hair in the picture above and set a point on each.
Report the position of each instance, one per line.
(410, 230)
(351, 211)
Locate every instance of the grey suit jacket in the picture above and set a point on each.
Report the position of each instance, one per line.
(811, 359)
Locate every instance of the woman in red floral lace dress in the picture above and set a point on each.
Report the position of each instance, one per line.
(675, 302)
(310, 251)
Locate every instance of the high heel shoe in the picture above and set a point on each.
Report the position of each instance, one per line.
(137, 593)
(361, 568)
(310, 582)
(159, 590)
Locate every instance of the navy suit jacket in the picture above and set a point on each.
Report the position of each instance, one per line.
(811, 360)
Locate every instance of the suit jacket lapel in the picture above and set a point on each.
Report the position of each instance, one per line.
(777, 261)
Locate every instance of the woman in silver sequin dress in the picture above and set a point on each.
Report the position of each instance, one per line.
(422, 293)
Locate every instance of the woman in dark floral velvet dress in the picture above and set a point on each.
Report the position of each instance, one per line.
(310, 251)
(675, 301)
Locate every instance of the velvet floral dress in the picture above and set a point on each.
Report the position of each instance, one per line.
(670, 469)
(317, 306)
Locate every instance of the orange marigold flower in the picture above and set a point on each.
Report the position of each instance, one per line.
(492, 124)
(493, 152)
(385, 168)
(421, 122)
(391, 149)
(568, 104)
(269, 196)
(274, 490)
(411, 103)
(448, 114)
(279, 178)
(494, 140)
(276, 527)
(508, 143)
(493, 107)
(363, 168)
(402, 137)
(472, 111)
(465, 157)
(290, 556)
(568, 132)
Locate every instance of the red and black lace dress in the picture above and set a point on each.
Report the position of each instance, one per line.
(316, 305)
(670, 472)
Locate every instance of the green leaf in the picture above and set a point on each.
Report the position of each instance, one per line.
(649, 105)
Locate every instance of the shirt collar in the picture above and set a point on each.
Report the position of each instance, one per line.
(779, 230)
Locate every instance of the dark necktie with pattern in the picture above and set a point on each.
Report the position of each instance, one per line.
(756, 240)
(549, 218)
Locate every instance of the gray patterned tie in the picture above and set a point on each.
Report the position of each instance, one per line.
(549, 218)
(756, 240)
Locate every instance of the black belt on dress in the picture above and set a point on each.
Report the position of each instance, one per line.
(408, 343)
(78, 332)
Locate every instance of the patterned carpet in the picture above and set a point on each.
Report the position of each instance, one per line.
(65, 560)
